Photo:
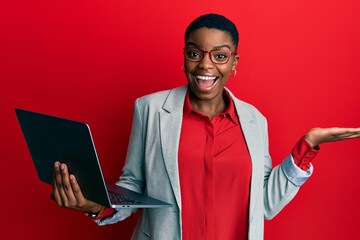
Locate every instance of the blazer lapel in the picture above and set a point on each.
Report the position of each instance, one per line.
(253, 138)
(170, 128)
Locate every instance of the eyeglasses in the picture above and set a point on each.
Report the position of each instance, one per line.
(217, 56)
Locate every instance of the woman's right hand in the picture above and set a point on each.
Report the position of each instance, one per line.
(67, 192)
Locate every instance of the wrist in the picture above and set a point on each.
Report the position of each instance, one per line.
(309, 140)
(96, 213)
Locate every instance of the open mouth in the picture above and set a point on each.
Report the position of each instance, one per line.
(206, 82)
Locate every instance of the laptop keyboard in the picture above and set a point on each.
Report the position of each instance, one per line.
(122, 200)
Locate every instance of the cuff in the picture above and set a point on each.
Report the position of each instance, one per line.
(303, 154)
(295, 174)
(118, 215)
(106, 213)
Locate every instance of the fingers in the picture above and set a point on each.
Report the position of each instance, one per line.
(77, 193)
(57, 184)
(62, 187)
(68, 193)
(346, 133)
(82, 203)
(353, 132)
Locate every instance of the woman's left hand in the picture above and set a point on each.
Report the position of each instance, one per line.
(317, 136)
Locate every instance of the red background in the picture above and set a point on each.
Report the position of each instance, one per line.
(88, 60)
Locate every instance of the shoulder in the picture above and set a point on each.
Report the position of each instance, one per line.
(249, 108)
(245, 108)
(170, 97)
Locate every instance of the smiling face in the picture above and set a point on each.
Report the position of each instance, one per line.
(207, 79)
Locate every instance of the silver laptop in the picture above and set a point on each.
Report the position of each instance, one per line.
(51, 139)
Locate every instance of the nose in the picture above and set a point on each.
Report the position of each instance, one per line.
(206, 62)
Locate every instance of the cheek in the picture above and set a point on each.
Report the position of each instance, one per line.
(225, 71)
(189, 66)
(187, 73)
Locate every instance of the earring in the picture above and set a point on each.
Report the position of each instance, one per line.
(233, 73)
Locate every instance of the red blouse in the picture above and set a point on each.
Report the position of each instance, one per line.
(215, 173)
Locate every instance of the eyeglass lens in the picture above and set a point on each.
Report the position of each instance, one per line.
(216, 56)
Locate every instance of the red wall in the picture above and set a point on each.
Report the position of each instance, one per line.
(88, 60)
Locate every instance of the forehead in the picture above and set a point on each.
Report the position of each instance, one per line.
(209, 38)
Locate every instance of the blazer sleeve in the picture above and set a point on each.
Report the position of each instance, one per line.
(282, 182)
(132, 177)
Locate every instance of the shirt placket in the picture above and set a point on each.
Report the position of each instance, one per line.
(209, 180)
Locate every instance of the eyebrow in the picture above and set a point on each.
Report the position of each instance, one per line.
(193, 44)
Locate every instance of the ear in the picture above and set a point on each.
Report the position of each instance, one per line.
(236, 60)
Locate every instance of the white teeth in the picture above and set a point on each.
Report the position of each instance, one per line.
(206, 78)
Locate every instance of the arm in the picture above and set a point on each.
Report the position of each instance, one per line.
(132, 176)
(277, 191)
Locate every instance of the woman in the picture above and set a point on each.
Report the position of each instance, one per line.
(198, 147)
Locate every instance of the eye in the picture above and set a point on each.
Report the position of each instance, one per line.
(220, 56)
(193, 53)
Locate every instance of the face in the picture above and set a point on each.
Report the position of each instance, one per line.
(207, 79)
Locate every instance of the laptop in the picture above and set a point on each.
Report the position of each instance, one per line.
(51, 139)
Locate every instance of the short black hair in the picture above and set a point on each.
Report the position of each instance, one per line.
(212, 20)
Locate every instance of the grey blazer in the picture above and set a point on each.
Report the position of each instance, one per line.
(152, 166)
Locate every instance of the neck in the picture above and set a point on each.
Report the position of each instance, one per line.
(210, 107)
